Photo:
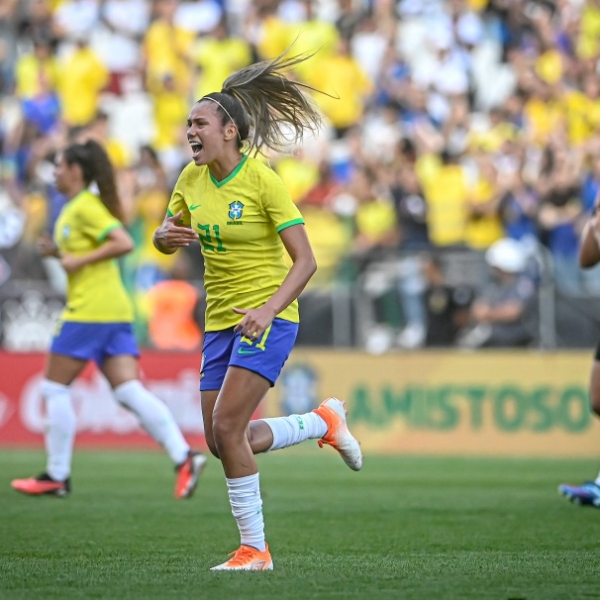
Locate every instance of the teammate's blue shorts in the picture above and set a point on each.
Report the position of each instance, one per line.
(94, 341)
(265, 356)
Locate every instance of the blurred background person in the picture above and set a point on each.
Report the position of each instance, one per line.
(499, 315)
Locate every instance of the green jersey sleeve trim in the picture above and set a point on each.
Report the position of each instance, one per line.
(231, 175)
(289, 224)
(169, 213)
(105, 233)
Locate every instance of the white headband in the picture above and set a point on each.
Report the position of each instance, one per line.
(225, 111)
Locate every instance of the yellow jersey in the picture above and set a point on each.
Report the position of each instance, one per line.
(237, 221)
(348, 84)
(28, 72)
(95, 293)
(446, 194)
(218, 59)
(82, 77)
(481, 231)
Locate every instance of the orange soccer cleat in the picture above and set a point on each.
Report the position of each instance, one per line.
(338, 435)
(42, 485)
(188, 473)
(247, 558)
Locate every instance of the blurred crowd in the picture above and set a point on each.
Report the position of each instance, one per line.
(449, 125)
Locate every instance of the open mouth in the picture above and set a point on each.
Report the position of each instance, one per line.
(196, 148)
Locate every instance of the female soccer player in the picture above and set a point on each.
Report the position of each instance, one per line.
(588, 494)
(244, 217)
(96, 324)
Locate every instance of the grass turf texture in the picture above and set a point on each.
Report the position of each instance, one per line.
(403, 528)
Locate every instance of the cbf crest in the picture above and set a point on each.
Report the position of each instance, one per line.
(236, 210)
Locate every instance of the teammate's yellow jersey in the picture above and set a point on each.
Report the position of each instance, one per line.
(238, 221)
(95, 293)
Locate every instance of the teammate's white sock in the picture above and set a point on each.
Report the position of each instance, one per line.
(59, 434)
(597, 480)
(246, 506)
(154, 417)
(289, 431)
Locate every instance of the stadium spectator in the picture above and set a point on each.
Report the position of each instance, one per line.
(499, 315)
(446, 190)
(216, 57)
(308, 32)
(166, 47)
(447, 306)
(341, 76)
(559, 212)
(36, 68)
(82, 77)
(484, 223)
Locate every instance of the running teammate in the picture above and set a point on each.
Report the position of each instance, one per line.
(96, 324)
(244, 217)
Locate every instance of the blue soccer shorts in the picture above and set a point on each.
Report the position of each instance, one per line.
(265, 356)
(94, 341)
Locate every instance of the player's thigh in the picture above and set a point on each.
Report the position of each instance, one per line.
(239, 397)
(595, 387)
(120, 369)
(63, 369)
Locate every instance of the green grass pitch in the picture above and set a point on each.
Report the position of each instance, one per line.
(403, 528)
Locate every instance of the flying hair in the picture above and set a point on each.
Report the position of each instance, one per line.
(280, 110)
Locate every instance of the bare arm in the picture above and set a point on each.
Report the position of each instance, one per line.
(257, 320)
(118, 242)
(296, 243)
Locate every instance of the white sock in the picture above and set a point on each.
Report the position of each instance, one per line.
(246, 506)
(597, 480)
(289, 431)
(59, 434)
(154, 417)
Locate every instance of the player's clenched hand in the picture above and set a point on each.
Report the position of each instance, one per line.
(255, 321)
(171, 235)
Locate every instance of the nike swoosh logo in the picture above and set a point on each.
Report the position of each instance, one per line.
(242, 351)
(193, 206)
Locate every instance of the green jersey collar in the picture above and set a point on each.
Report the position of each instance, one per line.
(231, 175)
